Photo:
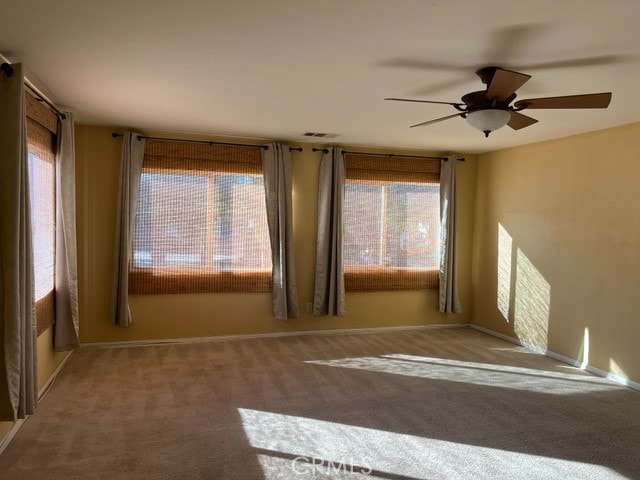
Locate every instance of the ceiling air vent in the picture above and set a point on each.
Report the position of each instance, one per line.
(321, 135)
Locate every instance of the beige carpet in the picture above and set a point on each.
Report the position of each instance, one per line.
(433, 404)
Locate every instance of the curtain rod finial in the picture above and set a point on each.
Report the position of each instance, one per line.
(7, 69)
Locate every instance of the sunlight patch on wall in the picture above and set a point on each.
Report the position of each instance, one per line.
(616, 370)
(473, 373)
(532, 303)
(504, 271)
(308, 448)
(585, 349)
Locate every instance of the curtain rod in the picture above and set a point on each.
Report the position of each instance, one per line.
(43, 99)
(8, 71)
(390, 155)
(209, 142)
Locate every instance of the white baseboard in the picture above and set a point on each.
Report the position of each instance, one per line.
(613, 377)
(9, 436)
(496, 334)
(249, 336)
(52, 378)
(4, 442)
(561, 358)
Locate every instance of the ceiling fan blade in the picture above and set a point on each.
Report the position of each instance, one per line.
(448, 85)
(591, 100)
(422, 64)
(504, 83)
(519, 121)
(438, 120)
(576, 62)
(504, 44)
(424, 101)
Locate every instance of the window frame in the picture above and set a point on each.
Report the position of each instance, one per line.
(373, 169)
(208, 160)
(41, 119)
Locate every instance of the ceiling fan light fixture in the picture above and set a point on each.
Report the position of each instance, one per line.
(488, 119)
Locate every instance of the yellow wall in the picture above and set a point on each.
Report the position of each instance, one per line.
(48, 359)
(175, 316)
(557, 246)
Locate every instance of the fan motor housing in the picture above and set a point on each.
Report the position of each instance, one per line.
(478, 101)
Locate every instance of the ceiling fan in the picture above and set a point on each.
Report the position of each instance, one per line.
(491, 109)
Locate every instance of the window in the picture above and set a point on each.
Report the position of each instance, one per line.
(391, 223)
(41, 144)
(201, 222)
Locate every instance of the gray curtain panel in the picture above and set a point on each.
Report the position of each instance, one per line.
(449, 302)
(276, 167)
(18, 379)
(130, 172)
(66, 280)
(328, 296)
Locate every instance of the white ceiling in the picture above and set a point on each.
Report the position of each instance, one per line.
(278, 68)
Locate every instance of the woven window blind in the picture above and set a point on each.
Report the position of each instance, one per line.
(41, 144)
(201, 222)
(391, 223)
